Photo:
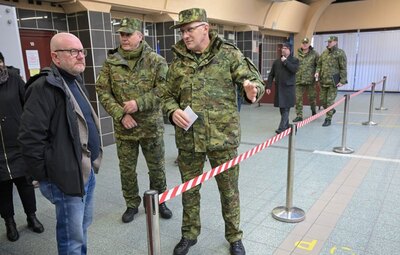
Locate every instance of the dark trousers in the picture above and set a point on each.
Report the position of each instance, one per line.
(26, 193)
(284, 124)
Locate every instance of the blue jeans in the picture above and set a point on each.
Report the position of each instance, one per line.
(74, 215)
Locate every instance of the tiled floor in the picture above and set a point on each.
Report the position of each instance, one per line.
(351, 200)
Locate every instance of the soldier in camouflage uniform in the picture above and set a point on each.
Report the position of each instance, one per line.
(305, 83)
(332, 73)
(204, 75)
(126, 86)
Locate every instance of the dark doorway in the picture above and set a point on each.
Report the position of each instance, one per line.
(36, 45)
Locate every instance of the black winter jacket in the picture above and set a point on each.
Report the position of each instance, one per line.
(49, 134)
(11, 103)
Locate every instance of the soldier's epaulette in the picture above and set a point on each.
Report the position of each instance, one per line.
(228, 45)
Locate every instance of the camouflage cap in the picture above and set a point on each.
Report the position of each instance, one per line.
(128, 25)
(305, 40)
(189, 16)
(332, 38)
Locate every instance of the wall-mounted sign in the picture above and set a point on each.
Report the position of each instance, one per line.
(32, 57)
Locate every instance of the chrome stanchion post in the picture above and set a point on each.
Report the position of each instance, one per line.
(371, 107)
(152, 222)
(289, 213)
(343, 149)
(383, 95)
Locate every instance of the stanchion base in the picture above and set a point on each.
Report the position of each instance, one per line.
(343, 150)
(292, 215)
(381, 108)
(369, 123)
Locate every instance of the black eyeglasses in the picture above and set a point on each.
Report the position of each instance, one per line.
(74, 52)
(190, 29)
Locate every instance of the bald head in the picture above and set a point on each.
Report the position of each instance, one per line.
(61, 39)
(63, 47)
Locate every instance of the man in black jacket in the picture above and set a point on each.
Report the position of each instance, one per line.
(59, 135)
(284, 72)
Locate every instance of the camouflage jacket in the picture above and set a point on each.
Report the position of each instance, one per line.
(307, 66)
(208, 85)
(117, 83)
(332, 62)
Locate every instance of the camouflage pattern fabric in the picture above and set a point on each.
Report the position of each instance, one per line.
(327, 98)
(153, 150)
(130, 26)
(191, 165)
(332, 62)
(208, 85)
(121, 80)
(118, 82)
(305, 81)
(312, 97)
(190, 15)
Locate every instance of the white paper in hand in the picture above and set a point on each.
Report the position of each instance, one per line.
(192, 116)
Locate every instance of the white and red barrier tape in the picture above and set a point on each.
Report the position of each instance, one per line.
(177, 190)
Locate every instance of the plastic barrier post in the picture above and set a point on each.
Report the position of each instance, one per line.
(152, 222)
(371, 107)
(289, 213)
(343, 149)
(383, 95)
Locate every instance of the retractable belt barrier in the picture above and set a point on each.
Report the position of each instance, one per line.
(177, 190)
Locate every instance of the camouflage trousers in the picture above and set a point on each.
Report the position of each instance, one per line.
(312, 97)
(191, 165)
(154, 153)
(327, 97)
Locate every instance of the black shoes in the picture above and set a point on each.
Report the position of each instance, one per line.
(34, 224)
(278, 131)
(313, 112)
(297, 119)
(237, 248)
(182, 248)
(11, 228)
(129, 214)
(326, 123)
(164, 211)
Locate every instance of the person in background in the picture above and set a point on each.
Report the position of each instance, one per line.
(125, 87)
(305, 82)
(332, 74)
(283, 71)
(12, 167)
(60, 141)
(204, 76)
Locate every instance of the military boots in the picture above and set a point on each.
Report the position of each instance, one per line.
(164, 211)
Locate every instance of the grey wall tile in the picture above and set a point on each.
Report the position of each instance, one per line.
(96, 20)
(98, 40)
(83, 22)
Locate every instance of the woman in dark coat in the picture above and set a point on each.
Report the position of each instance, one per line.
(284, 72)
(11, 165)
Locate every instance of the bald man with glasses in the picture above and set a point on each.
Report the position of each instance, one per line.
(60, 141)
